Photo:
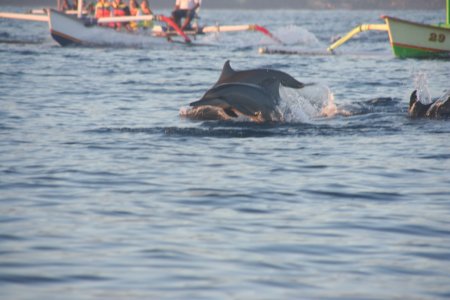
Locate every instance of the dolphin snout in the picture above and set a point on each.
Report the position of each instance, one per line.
(196, 103)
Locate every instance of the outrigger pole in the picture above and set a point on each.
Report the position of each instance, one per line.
(80, 9)
(26, 17)
(448, 13)
(248, 27)
(356, 30)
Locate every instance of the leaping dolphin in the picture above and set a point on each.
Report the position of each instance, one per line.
(257, 102)
(439, 109)
(257, 76)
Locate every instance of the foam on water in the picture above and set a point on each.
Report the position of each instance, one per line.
(421, 85)
(307, 104)
(297, 36)
(295, 39)
(291, 37)
(445, 96)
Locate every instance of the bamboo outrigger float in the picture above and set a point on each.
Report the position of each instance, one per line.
(409, 39)
(68, 29)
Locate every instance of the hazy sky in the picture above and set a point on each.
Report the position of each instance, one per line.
(280, 4)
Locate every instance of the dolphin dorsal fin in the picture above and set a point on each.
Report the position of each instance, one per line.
(413, 98)
(227, 72)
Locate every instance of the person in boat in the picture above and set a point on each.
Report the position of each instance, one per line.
(120, 9)
(103, 10)
(185, 9)
(138, 10)
(145, 8)
(67, 6)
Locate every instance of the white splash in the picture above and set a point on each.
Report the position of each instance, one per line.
(330, 109)
(444, 97)
(421, 85)
(306, 104)
(298, 36)
(296, 40)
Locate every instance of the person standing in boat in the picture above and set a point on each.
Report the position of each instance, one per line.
(185, 9)
(120, 9)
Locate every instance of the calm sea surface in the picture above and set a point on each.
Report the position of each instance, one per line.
(107, 193)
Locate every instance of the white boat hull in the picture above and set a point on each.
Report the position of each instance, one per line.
(69, 30)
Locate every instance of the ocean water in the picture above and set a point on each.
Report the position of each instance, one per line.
(106, 192)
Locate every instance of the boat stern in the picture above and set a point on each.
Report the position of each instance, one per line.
(416, 40)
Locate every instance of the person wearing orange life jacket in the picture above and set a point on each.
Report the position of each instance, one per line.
(120, 9)
(103, 10)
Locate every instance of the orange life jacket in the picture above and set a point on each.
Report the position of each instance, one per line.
(119, 11)
(102, 10)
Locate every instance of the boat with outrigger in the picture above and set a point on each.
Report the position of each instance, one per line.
(79, 27)
(408, 39)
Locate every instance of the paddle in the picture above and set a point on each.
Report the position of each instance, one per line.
(174, 25)
(267, 32)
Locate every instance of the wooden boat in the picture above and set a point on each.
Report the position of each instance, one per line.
(68, 30)
(75, 27)
(409, 39)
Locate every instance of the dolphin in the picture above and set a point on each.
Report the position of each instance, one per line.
(416, 108)
(205, 113)
(257, 76)
(439, 109)
(257, 102)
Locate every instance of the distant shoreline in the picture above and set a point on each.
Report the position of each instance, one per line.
(249, 8)
(279, 5)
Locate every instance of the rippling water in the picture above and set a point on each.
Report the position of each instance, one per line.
(107, 193)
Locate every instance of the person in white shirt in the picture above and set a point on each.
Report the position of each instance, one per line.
(185, 9)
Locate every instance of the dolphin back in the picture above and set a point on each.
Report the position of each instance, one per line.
(439, 109)
(257, 76)
(248, 99)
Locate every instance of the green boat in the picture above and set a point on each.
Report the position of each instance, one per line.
(410, 39)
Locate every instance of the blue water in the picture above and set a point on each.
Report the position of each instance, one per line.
(107, 193)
